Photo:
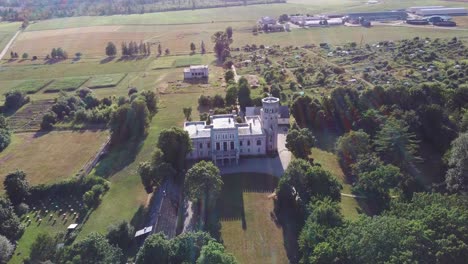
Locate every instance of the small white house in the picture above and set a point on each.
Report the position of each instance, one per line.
(196, 72)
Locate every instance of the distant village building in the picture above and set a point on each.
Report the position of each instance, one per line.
(456, 11)
(267, 21)
(378, 16)
(225, 140)
(196, 72)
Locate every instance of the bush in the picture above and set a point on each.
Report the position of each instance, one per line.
(48, 121)
(15, 99)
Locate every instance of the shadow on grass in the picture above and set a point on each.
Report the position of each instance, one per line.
(107, 60)
(325, 139)
(118, 158)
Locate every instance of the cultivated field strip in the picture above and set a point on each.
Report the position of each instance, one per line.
(29, 117)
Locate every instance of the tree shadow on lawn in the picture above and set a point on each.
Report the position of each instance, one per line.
(118, 158)
(325, 139)
(107, 60)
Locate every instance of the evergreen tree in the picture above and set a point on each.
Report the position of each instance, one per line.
(202, 47)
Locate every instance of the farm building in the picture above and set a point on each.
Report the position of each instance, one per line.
(414, 9)
(335, 21)
(300, 20)
(196, 72)
(379, 16)
(458, 11)
(267, 21)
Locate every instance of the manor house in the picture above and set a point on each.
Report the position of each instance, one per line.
(224, 140)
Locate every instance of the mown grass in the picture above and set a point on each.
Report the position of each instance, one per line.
(248, 228)
(7, 31)
(66, 84)
(50, 157)
(31, 86)
(105, 81)
(184, 62)
(349, 206)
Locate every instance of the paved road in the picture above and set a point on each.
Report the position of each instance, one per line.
(4, 51)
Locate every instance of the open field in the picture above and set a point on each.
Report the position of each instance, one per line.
(50, 157)
(32, 86)
(105, 81)
(66, 84)
(247, 227)
(7, 31)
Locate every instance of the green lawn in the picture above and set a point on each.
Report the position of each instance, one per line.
(7, 31)
(248, 229)
(184, 62)
(66, 84)
(349, 206)
(32, 86)
(105, 81)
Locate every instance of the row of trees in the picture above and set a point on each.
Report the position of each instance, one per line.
(193, 47)
(58, 53)
(221, 41)
(5, 134)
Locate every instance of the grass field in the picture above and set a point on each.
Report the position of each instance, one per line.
(32, 86)
(184, 62)
(50, 157)
(7, 31)
(66, 84)
(105, 81)
(247, 227)
(349, 206)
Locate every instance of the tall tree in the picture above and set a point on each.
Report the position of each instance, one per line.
(16, 186)
(229, 32)
(350, 146)
(155, 249)
(94, 248)
(231, 95)
(203, 184)
(111, 50)
(159, 49)
(120, 235)
(6, 249)
(176, 144)
(300, 142)
(193, 47)
(5, 134)
(155, 172)
(244, 94)
(186, 247)
(43, 248)
(229, 76)
(202, 47)
(221, 45)
(456, 177)
(187, 113)
(214, 253)
(396, 144)
(10, 224)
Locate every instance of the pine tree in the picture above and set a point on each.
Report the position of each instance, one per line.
(148, 48)
(203, 49)
(159, 49)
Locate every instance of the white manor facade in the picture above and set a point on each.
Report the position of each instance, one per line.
(225, 140)
(196, 72)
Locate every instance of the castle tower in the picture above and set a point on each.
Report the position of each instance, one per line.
(269, 117)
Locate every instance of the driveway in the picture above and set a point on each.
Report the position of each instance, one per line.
(273, 166)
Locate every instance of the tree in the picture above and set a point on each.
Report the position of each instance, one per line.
(176, 144)
(300, 142)
(202, 185)
(159, 49)
(10, 224)
(5, 134)
(214, 253)
(244, 93)
(154, 173)
(202, 47)
(53, 53)
(151, 101)
(167, 52)
(25, 56)
(187, 113)
(221, 45)
(229, 32)
(193, 47)
(6, 249)
(350, 146)
(111, 50)
(155, 248)
(186, 247)
(16, 186)
(231, 95)
(376, 185)
(48, 120)
(94, 248)
(14, 100)
(456, 177)
(120, 235)
(229, 76)
(395, 143)
(43, 248)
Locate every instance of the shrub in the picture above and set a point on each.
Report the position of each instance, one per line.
(15, 99)
(48, 121)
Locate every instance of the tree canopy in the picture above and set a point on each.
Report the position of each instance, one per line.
(214, 253)
(457, 175)
(16, 186)
(175, 143)
(300, 142)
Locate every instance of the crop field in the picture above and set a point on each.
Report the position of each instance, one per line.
(248, 229)
(50, 157)
(66, 84)
(32, 86)
(105, 81)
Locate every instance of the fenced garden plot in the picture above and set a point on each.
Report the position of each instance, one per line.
(106, 81)
(32, 86)
(66, 84)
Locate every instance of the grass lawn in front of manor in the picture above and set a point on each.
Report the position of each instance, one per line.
(248, 226)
